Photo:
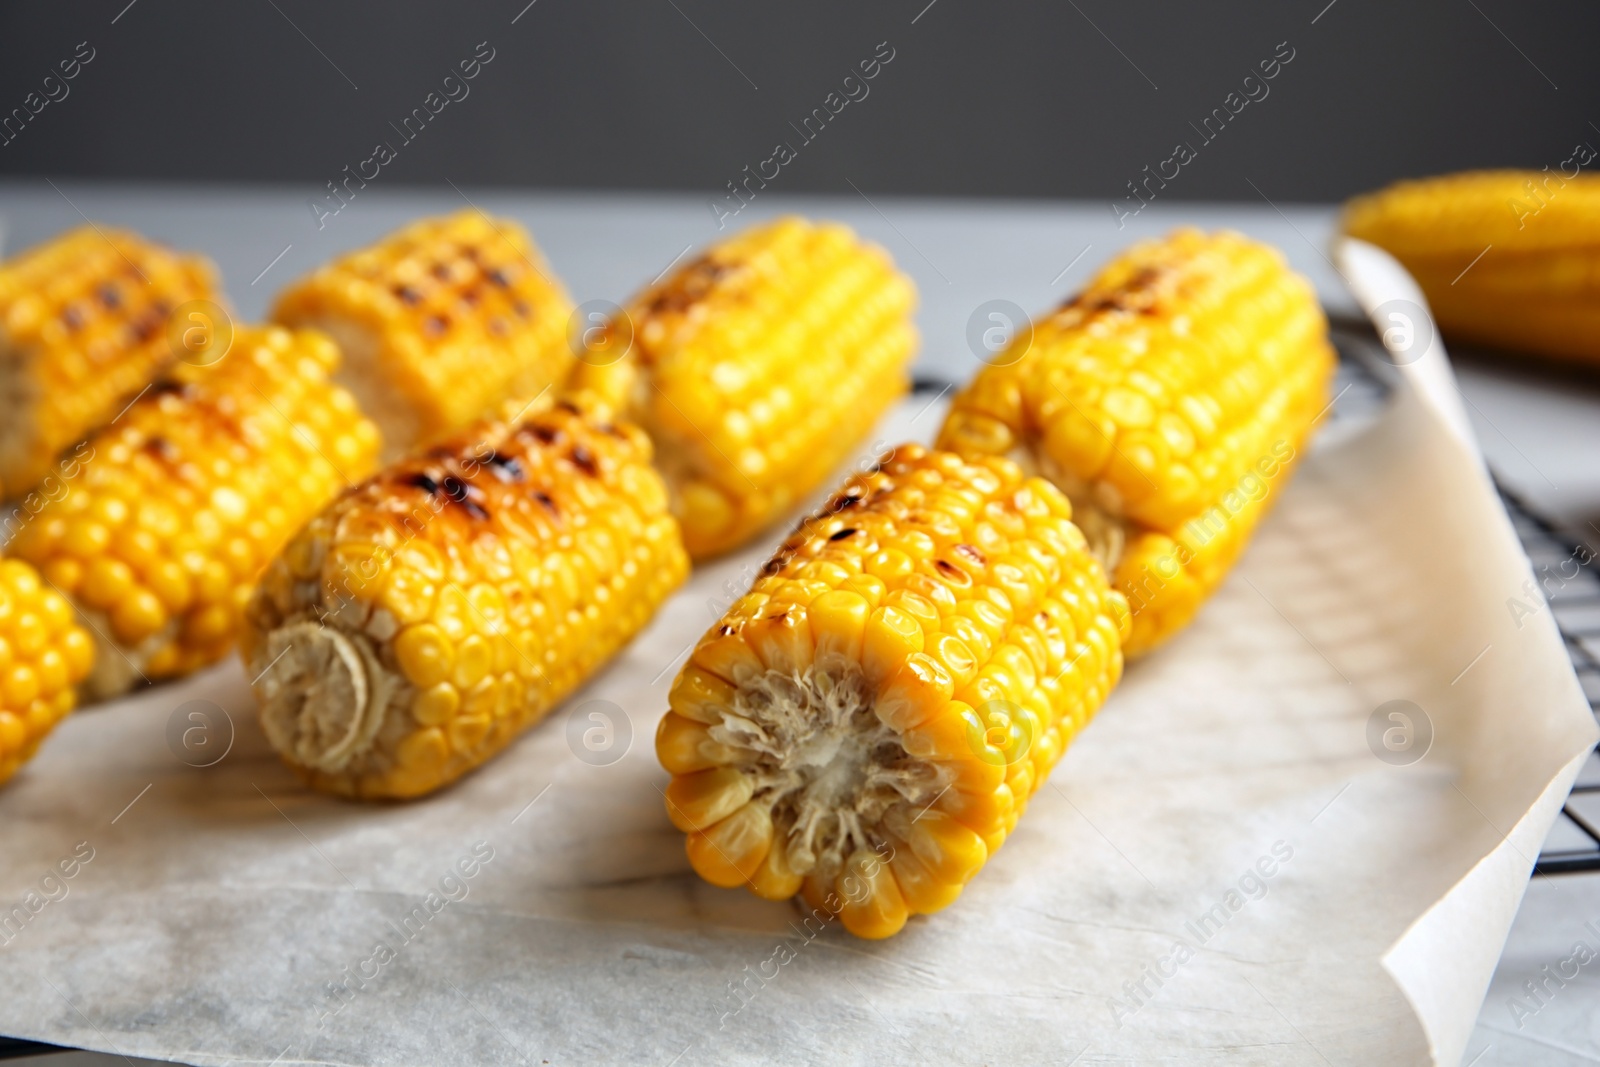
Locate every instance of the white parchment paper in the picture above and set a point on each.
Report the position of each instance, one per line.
(1220, 870)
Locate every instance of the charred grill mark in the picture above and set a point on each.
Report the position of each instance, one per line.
(162, 449)
(462, 494)
(584, 460)
(690, 285)
(171, 387)
(840, 535)
(506, 468)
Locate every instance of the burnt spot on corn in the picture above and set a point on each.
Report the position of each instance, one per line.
(172, 387)
(499, 276)
(545, 435)
(109, 297)
(690, 285)
(435, 325)
(952, 573)
(464, 495)
(548, 502)
(163, 449)
(840, 535)
(569, 407)
(441, 270)
(72, 317)
(408, 296)
(774, 565)
(584, 460)
(506, 468)
(971, 553)
(421, 481)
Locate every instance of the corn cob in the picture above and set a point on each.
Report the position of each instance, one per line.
(866, 726)
(43, 654)
(83, 327)
(1507, 258)
(426, 617)
(757, 368)
(179, 504)
(1169, 401)
(439, 323)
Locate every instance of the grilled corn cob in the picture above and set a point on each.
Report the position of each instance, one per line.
(43, 654)
(1169, 401)
(439, 323)
(866, 726)
(757, 368)
(83, 327)
(183, 500)
(419, 623)
(1507, 258)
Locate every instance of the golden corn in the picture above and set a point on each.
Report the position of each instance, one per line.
(83, 327)
(425, 618)
(866, 726)
(171, 512)
(1507, 258)
(757, 368)
(43, 655)
(439, 323)
(1169, 400)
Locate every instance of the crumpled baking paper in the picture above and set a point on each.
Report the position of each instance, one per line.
(1246, 858)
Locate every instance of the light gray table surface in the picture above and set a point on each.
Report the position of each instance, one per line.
(1539, 428)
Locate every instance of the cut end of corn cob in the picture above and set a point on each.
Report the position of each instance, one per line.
(43, 655)
(168, 514)
(1169, 400)
(430, 614)
(866, 726)
(757, 368)
(439, 323)
(1506, 258)
(83, 327)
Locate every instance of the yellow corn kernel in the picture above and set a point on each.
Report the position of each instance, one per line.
(439, 323)
(1169, 400)
(367, 702)
(243, 449)
(83, 328)
(880, 790)
(757, 368)
(44, 654)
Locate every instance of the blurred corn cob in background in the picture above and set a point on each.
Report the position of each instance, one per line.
(866, 726)
(1168, 400)
(422, 620)
(439, 323)
(43, 655)
(183, 500)
(757, 368)
(1507, 258)
(83, 327)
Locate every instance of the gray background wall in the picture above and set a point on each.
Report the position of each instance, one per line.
(1063, 99)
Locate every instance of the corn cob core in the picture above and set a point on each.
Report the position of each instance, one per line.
(1507, 258)
(43, 655)
(174, 509)
(83, 323)
(866, 726)
(757, 368)
(1168, 400)
(439, 323)
(426, 617)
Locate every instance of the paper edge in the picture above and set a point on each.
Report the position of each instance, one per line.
(1433, 970)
